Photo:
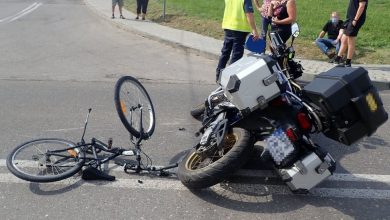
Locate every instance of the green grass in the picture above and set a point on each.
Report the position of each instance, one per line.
(204, 17)
(374, 33)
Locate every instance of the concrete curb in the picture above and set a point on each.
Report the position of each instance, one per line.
(210, 47)
(127, 25)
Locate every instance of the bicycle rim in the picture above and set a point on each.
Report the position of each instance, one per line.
(132, 101)
(45, 160)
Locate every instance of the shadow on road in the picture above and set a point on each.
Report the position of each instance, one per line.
(257, 196)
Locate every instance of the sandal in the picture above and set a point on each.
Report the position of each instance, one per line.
(121, 16)
(113, 17)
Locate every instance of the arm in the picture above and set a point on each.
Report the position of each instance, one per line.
(322, 34)
(271, 8)
(341, 32)
(251, 21)
(257, 5)
(359, 12)
(292, 14)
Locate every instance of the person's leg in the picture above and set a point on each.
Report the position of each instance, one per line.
(264, 29)
(321, 43)
(338, 47)
(113, 8)
(120, 4)
(139, 2)
(238, 46)
(343, 48)
(225, 53)
(285, 33)
(144, 9)
(325, 45)
(351, 50)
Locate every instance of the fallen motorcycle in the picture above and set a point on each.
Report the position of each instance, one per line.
(259, 99)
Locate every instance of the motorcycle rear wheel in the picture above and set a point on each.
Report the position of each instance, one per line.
(238, 146)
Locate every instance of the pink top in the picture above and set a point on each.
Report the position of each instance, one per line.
(264, 8)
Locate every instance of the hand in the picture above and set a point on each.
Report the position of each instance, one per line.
(275, 20)
(255, 35)
(354, 23)
(335, 42)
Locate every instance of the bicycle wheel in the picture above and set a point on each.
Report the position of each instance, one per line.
(131, 101)
(45, 160)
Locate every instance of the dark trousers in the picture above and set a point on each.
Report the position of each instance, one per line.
(284, 31)
(233, 44)
(266, 22)
(142, 5)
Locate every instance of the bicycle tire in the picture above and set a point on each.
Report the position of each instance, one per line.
(43, 166)
(130, 123)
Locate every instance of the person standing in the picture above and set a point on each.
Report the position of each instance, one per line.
(238, 22)
(283, 13)
(120, 5)
(332, 27)
(142, 6)
(356, 16)
(265, 20)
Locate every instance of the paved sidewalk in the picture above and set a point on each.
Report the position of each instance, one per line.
(211, 47)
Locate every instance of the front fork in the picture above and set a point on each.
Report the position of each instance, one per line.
(213, 136)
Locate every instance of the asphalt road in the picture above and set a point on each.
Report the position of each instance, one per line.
(59, 59)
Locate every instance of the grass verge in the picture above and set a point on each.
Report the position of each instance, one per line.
(204, 17)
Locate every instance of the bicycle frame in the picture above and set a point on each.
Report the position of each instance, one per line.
(96, 146)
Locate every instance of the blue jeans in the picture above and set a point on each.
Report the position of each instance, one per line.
(233, 44)
(265, 23)
(325, 44)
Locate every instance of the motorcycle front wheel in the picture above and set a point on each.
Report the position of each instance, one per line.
(198, 171)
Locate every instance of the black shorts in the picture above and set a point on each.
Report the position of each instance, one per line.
(351, 30)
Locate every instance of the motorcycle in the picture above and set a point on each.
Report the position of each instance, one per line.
(259, 99)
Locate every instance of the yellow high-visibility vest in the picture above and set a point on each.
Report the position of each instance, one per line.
(234, 17)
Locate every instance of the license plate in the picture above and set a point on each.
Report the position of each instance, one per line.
(279, 145)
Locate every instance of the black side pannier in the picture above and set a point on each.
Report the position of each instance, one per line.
(349, 102)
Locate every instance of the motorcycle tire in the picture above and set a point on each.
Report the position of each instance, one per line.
(236, 155)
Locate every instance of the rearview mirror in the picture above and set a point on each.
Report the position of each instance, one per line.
(295, 30)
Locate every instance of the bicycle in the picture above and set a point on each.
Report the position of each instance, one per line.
(53, 159)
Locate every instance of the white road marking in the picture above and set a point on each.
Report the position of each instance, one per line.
(160, 184)
(22, 13)
(261, 173)
(335, 177)
(65, 129)
(10, 17)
